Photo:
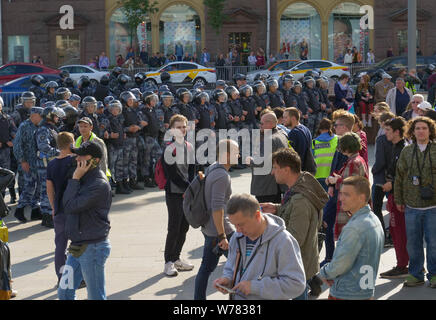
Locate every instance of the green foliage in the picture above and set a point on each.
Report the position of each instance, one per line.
(216, 18)
(136, 11)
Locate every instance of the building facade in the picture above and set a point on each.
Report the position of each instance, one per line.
(319, 29)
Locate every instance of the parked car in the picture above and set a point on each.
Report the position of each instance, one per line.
(394, 64)
(184, 72)
(78, 70)
(11, 91)
(12, 71)
(329, 69)
(273, 68)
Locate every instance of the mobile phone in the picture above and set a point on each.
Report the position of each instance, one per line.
(225, 288)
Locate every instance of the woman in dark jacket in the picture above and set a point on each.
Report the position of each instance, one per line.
(342, 99)
(178, 175)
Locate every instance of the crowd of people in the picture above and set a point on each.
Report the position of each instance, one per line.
(74, 147)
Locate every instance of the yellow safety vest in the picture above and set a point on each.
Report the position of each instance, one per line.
(324, 152)
(79, 143)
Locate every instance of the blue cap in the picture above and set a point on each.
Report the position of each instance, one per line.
(75, 97)
(37, 110)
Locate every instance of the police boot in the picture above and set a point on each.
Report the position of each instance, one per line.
(47, 221)
(13, 195)
(149, 183)
(134, 185)
(126, 186)
(19, 214)
(121, 189)
(36, 214)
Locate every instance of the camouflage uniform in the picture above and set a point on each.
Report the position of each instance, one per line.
(153, 150)
(46, 143)
(25, 150)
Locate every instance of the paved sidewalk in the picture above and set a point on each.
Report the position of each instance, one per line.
(135, 266)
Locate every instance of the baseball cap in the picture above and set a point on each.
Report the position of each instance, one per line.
(89, 148)
(386, 76)
(85, 120)
(37, 110)
(425, 106)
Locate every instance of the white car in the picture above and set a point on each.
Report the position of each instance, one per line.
(183, 72)
(76, 71)
(329, 69)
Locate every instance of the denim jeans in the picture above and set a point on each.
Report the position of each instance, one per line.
(89, 267)
(208, 264)
(305, 294)
(420, 225)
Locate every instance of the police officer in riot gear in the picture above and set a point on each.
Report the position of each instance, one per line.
(239, 80)
(275, 96)
(288, 97)
(113, 78)
(313, 99)
(63, 75)
(260, 97)
(139, 81)
(89, 104)
(63, 93)
(69, 84)
(85, 87)
(165, 78)
(22, 110)
(36, 87)
(299, 95)
(222, 113)
(50, 94)
(102, 90)
(46, 143)
(122, 80)
(71, 117)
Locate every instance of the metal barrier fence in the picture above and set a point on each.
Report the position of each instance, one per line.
(10, 99)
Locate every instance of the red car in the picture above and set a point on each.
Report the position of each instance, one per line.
(12, 71)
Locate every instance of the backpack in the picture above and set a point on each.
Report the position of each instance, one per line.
(194, 202)
(160, 175)
(5, 272)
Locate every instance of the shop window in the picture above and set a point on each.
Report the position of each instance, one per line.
(18, 49)
(300, 32)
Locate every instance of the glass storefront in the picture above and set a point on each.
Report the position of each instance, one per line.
(122, 37)
(180, 31)
(300, 32)
(67, 49)
(18, 49)
(403, 42)
(345, 32)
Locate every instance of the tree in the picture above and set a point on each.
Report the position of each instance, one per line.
(215, 13)
(136, 12)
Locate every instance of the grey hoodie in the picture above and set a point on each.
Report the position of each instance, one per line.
(276, 271)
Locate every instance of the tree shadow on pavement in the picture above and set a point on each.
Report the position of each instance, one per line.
(32, 265)
(126, 294)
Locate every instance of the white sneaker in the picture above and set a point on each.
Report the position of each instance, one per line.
(183, 265)
(170, 270)
(369, 122)
(364, 121)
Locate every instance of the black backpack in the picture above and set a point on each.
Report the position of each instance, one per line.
(194, 201)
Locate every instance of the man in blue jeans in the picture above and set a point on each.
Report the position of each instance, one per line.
(218, 230)
(87, 201)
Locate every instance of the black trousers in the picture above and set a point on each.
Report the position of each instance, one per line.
(377, 204)
(177, 227)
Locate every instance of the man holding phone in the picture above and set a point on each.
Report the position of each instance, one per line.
(87, 201)
(264, 258)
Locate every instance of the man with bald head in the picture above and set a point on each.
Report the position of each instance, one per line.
(264, 187)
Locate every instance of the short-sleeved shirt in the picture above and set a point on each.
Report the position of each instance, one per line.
(58, 171)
